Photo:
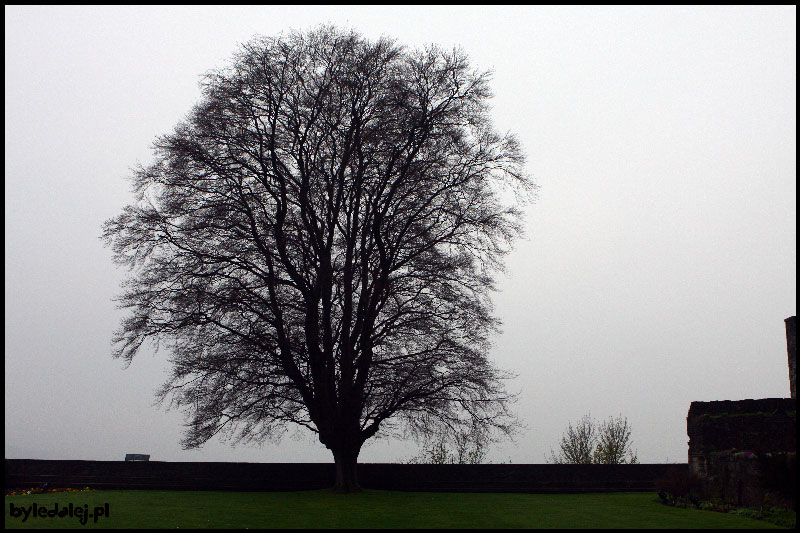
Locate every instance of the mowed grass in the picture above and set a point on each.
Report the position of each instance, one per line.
(370, 509)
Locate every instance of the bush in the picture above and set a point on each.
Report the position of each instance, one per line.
(682, 487)
(779, 478)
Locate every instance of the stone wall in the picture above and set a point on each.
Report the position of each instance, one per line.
(791, 348)
(745, 450)
(533, 478)
(749, 425)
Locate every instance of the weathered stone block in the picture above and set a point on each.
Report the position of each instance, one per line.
(791, 348)
(741, 448)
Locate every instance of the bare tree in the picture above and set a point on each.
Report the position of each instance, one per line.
(578, 443)
(465, 447)
(316, 243)
(614, 443)
(608, 442)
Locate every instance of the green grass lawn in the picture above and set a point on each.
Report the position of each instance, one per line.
(369, 509)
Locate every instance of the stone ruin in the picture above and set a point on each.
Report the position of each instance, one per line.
(745, 451)
(791, 346)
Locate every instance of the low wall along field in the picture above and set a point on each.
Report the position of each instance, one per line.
(155, 475)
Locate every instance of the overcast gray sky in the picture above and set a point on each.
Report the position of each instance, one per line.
(661, 253)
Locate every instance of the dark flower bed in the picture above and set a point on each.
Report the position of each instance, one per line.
(42, 490)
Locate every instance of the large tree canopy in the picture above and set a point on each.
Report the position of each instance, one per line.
(316, 242)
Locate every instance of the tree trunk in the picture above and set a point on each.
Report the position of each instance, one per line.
(346, 475)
